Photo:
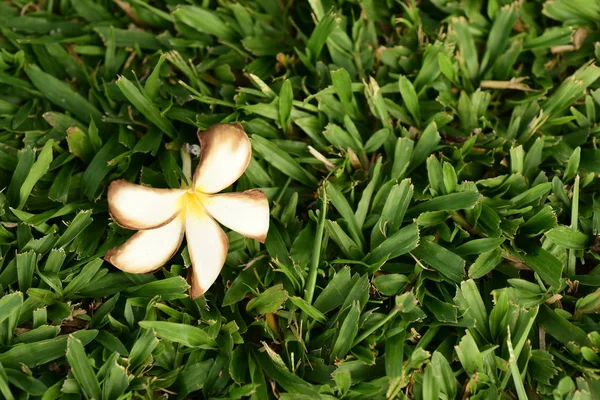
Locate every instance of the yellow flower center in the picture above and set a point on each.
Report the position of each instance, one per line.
(192, 201)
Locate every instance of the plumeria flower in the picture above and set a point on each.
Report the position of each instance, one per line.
(163, 216)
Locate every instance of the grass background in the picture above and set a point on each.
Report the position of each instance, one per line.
(432, 169)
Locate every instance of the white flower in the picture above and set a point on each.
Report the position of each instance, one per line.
(162, 216)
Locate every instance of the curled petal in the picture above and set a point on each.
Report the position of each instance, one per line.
(207, 245)
(225, 154)
(139, 207)
(148, 250)
(246, 213)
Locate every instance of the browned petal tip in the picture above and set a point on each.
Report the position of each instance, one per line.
(147, 250)
(246, 213)
(135, 206)
(196, 290)
(225, 155)
(108, 257)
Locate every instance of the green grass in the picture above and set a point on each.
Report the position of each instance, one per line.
(432, 170)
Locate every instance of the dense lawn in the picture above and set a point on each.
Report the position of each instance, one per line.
(432, 174)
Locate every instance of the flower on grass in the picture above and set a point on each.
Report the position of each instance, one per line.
(163, 216)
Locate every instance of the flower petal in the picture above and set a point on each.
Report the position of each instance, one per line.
(246, 212)
(139, 207)
(207, 245)
(225, 155)
(148, 250)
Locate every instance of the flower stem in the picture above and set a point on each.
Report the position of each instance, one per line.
(186, 165)
(316, 253)
(572, 260)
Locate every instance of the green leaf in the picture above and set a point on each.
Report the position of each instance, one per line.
(450, 178)
(430, 385)
(345, 243)
(343, 87)
(443, 312)
(359, 292)
(320, 35)
(466, 46)
(79, 223)
(532, 196)
(91, 12)
(347, 333)
(377, 103)
(478, 246)
(152, 84)
(469, 355)
(570, 90)
(37, 171)
(282, 160)
(436, 176)
(411, 101)
(442, 260)
(339, 137)
(377, 140)
(169, 288)
(268, 301)
(485, 263)
(448, 202)
(111, 343)
(402, 157)
(467, 112)
(447, 68)
(548, 267)
(365, 201)
(25, 162)
(82, 368)
(286, 97)
(116, 382)
(541, 222)
(573, 165)
(187, 335)
(567, 238)
(335, 292)
(145, 106)
(63, 95)
(149, 143)
(559, 328)
(26, 264)
(445, 377)
(146, 343)
(100, 167)
(10, 304)
(533, 159)
(393, 212)
(84, 277)
(575, 11)
(59, 191)
(390, 284)
(401, 242)
(204, 21)
(310, 310)
(26, 383)
(499, 36)
(394, 350)
(4, 389)
(426, 144)
(341, 205)
(471, 303)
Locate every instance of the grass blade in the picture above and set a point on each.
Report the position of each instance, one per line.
(145, 106)
(82, 369)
